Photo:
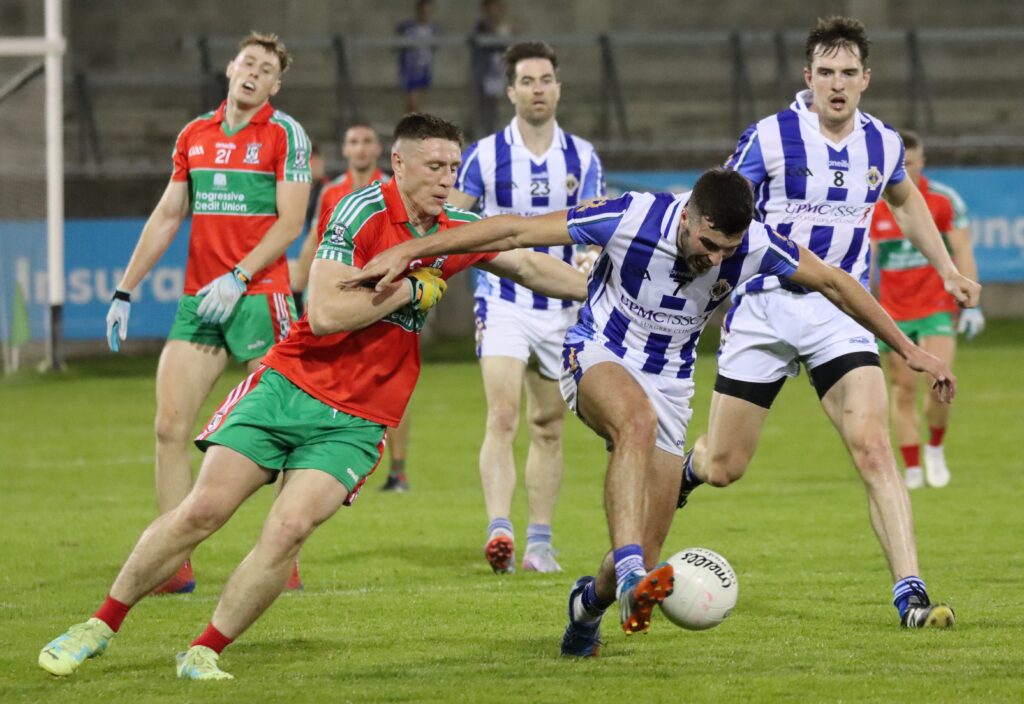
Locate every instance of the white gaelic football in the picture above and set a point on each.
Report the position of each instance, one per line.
(705, 590)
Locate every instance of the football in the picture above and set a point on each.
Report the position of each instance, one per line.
(705, 589)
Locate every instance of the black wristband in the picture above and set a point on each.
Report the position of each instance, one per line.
(120, 295)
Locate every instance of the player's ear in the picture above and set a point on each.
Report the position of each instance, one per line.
(276, 87)
(510, 91)
(867, 78)
(230, 68)
(807, 76)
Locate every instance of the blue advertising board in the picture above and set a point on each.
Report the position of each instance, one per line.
(96, 252)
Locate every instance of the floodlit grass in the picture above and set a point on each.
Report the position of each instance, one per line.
(400, 605)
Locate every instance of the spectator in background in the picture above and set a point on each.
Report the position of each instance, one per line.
(911, 291)
(416, 63)
(488, 69)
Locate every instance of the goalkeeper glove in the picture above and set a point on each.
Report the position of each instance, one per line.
(117, 319)
(222, 296)
(971, 323)
(427, 288)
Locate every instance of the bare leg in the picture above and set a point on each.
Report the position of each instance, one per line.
(617, 408)
(225, 481)
(903, 380)
(184, 378)
(503, 383)
(936, 412)
(545, 412)
(857, 406)
(308, 499)
(398, 445)
(734, 428)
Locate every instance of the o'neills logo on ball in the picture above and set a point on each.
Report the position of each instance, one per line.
(726, 577)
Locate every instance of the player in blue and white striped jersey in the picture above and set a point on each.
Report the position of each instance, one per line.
(817, 169)
(531, 167)
(667, 263)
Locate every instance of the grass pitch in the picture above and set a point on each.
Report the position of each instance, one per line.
(400, 605)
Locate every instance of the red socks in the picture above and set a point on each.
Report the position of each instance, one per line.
(911, 455)
(213, 639)
(112, 613)
(936, 437)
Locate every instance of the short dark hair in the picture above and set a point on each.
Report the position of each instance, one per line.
(834, 33)
(272, 43)
(725, 198)
(911, 140)
(355, 124)
(527, 50)
(419, 125)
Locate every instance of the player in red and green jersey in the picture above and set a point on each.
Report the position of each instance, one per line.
(319, 409)
(361, 150)
(912, 292)
(242, 174)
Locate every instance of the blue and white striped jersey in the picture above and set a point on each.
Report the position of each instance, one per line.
(819, 193)
(644, 303)
(509, 179)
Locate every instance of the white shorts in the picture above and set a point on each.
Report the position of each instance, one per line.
(504, 329)
(769, 334)
(669, 396)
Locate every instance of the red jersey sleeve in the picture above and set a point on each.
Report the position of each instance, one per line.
(180, 157)
(943, 215)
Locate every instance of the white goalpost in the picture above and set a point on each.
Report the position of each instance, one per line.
(24, 288)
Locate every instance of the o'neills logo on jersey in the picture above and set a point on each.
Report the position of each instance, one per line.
(571, 184)
(720, 289)
(874, 178)
(252, 153)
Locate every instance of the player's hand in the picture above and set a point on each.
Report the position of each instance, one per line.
(380, 271)
(971, 323)
(117, 320)
(944, 382)
(583, 261)
(965, 291)
(222, 295)
(427, 288)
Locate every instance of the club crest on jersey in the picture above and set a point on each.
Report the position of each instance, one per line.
(571, 184)
(301, 158)
(720, 289)
(252, 153)
(874, 178)
(338, 234)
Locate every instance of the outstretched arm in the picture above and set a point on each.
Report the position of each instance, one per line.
(854, 300)
(497, 234)
(540, 272)
(915, 221)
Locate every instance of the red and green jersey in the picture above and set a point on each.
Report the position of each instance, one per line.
(232, 178)
(369, 372)
(909, 287)
(333, 193)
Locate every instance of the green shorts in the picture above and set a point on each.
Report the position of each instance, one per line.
(934, 325)
(279, 426)
(258, 321)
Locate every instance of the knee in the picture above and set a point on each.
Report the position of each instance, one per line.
(903, 394)
(502, 418)
(284, 535)
(871, 452)
(201, 513)
(722, 468)
(546, 430)
(171, 427)
(638, 429)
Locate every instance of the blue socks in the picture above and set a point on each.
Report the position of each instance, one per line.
(499, 525)
(537, 533)
(628, 559)
(906, 588)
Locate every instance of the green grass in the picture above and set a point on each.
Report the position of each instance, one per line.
(400, 605)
